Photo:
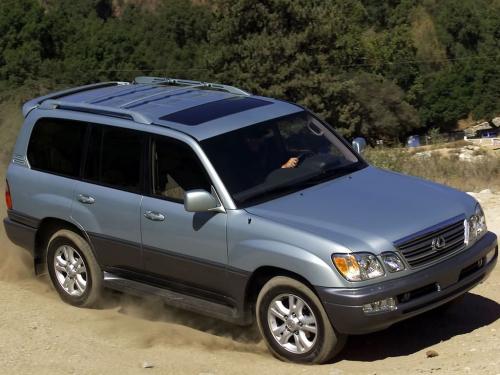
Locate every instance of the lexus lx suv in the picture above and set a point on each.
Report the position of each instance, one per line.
(240, 207)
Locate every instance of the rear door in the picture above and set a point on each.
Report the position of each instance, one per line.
(107, 201)
(180, 247)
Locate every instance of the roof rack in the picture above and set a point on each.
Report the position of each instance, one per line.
(147, 98)
(184, 82)
(32, 104)
(96, 109)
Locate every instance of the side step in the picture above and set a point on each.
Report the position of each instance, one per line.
(182, 301)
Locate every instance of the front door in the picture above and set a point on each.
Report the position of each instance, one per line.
(186, 249)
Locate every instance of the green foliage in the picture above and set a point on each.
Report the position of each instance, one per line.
(435, 137)
(22, 30)
(302, 51)
(381, 69)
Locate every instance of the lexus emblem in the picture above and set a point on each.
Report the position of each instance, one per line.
(438, 243)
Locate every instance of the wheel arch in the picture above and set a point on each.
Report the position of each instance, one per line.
(262, 275)
(46, 228)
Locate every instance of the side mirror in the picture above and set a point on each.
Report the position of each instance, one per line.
(359, 144)
(200, 201)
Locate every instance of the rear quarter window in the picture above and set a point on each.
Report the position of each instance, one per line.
(56, 145)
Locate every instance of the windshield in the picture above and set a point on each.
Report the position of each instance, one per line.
(276, 157)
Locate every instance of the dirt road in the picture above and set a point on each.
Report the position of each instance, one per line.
(40, 334)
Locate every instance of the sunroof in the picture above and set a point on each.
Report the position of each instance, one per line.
(213, 110)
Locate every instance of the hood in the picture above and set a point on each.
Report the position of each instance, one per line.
(367, 210)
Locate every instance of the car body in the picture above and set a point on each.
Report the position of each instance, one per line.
(372, 246)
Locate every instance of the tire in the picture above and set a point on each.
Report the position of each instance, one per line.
(299, 342)
(73, 269)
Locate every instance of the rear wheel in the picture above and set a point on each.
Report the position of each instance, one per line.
(294, 323)
(73, 269)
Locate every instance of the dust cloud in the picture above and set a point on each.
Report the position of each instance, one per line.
(147, 320)
(221, 335)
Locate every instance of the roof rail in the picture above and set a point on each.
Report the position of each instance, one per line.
(97, 110)
(32, 104)
(147, 98)
(184, 82)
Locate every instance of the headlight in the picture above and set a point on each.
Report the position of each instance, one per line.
(393, 262)
(358, 266)
(475, 227)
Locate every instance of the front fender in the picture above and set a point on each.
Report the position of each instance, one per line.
(250, 255)
(255, 242)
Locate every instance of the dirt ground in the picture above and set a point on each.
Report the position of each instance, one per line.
(40, 334)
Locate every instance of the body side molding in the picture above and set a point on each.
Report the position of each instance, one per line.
(176, 299)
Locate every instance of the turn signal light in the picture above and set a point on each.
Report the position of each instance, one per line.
(358, 266)
(8, 198)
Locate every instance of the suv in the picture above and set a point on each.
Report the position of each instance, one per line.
(235, 206)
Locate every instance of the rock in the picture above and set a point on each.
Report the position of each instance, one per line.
(496, 121)
(423, 154)
(431, 353)
(146, 364)
(465, 156)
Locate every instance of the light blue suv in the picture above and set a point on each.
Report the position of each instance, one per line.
(236, 206)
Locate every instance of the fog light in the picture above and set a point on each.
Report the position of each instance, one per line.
(490, 255)
(384, 305)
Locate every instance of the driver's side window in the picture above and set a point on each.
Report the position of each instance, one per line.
(176, 169)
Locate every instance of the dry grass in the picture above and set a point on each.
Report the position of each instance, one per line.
(10, 123)
(445, 168)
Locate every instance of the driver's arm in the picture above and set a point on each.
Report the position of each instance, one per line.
(291, 163)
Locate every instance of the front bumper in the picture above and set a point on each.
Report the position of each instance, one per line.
(427, 288)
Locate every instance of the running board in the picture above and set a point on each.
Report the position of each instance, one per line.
(182, 301)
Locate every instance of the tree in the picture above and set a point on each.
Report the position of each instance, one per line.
(22, 29)
(381, 111)
(302, 51)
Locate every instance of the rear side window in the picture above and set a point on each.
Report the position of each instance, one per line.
(114, 158)
(56, 146)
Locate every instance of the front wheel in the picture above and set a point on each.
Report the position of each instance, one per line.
(73, 269)
(294, 323)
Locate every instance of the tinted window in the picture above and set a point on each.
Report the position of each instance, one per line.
(114, 157)
(279, 156)
(176, 169)
(56, 146)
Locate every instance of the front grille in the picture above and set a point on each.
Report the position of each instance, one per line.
(418, 249)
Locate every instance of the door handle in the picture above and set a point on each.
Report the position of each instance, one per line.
(85, 199)
(154, 216)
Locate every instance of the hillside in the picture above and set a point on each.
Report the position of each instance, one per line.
(378, 69)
